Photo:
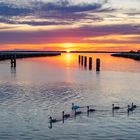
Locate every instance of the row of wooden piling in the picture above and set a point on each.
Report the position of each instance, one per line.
(84, 61)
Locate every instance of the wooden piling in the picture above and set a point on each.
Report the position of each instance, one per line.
(85, 61)
(98, 64)
(82, 60)
(90, 63)
(79, 59)
(13, 60)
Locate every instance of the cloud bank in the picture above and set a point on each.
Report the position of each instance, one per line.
(79, 21)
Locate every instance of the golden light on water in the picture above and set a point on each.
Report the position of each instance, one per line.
(68, 58)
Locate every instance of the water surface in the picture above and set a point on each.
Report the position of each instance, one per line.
(40, 87)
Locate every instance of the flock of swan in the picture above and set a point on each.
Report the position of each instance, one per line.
(75, 108)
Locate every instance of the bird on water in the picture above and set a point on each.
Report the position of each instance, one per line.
(115, 107)
(52, 120)
(134, 106)
(65, 115)
(74, 107)
(130, 108)
(90, 109)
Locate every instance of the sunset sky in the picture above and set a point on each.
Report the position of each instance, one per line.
(88, 25)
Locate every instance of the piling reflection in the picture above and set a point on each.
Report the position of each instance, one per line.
(13, 72)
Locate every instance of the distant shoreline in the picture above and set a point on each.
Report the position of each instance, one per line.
(135, 56)
(58, 52)
(5, 55)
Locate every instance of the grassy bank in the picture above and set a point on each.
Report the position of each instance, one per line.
(4, 55)
(135, 56)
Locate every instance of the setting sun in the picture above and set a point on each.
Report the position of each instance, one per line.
(68, 51)
(68, 45)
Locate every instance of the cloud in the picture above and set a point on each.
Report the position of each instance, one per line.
(66, 7)
(65, 35)
(13, 10)
(60, 21)
(117, 39)
(133, 13)
(64, 11)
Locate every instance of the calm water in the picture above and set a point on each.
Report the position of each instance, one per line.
(40, 87)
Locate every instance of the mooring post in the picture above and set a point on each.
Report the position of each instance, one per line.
(13, 60)
(98, 64)
(85, 61)
(90, 63)
(79, 60)
(63, 116)
(82, 60)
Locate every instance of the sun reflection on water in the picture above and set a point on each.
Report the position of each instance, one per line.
(68, 58)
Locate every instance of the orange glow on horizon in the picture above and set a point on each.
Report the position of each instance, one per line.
(102, 43)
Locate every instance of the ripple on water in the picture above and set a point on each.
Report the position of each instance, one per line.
(25, 108)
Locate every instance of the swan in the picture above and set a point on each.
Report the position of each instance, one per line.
(134, 106)
(78, 112)
(130, 108)
(74, 107)
(90, 110)
(52, 120)
(65, 115)
(115, 107)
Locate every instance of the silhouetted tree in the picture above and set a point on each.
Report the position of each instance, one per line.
(132, 51)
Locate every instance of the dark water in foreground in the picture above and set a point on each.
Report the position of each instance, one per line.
(40, 87)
